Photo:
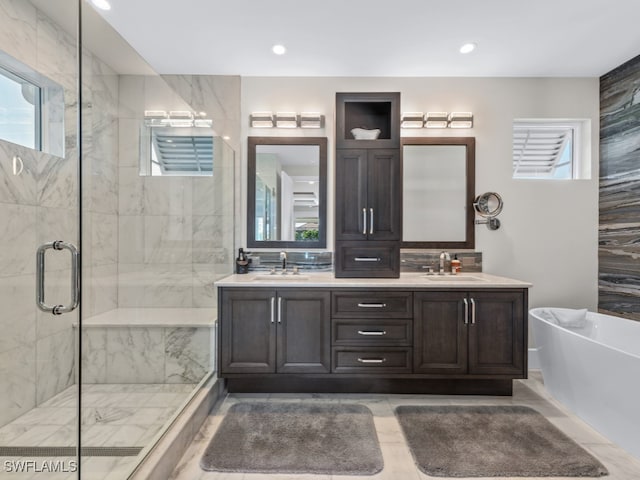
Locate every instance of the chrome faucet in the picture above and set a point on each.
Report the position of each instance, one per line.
(444, 257)
(283, 257)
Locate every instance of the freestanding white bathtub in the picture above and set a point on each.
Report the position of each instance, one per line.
(594, 371)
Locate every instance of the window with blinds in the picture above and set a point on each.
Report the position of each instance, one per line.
(181, 154)
(545, 149)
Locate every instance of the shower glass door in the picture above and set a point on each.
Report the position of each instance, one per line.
(39, 231)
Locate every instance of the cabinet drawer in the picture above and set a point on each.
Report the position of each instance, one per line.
(372, 304)
(373, 259)
(372, 332)
(371, 360)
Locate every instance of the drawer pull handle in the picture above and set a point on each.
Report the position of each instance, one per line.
(372, 332)
(367, 259)
(372, 305)
(372, 360)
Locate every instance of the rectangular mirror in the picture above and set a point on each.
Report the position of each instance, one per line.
(438, 176)
(287, 184)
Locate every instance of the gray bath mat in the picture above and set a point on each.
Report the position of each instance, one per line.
(492, 441)
(295, 438)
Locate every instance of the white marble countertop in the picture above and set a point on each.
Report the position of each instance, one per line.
(406, 280)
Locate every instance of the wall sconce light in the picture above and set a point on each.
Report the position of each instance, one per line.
(436, 120)
(412, 120)
(311, 120)
(261, 120)
(460, 120)
(286, 120)
(175, 118)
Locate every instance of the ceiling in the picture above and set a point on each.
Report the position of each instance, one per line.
(380, 37)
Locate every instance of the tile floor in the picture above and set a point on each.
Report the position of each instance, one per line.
(114, 415)
(397, 457)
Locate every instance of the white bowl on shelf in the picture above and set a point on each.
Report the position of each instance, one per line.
(365, 134)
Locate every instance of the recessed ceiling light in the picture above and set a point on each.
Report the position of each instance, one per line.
(467, 48)
(102, 4)
(226, 137)
(279, 49)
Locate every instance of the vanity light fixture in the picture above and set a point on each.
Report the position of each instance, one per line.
(412, 120)
(261, 120)
(461, 120)
(311, 120)
(286, 120)
(436, 120)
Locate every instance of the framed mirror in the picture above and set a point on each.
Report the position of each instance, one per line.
(438, 189)
(287, 192)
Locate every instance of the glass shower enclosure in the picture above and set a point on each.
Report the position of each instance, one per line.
(116, 216)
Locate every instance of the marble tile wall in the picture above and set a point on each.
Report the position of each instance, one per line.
(176, 234)
(146, 354)
(37, 206)
(619, 253)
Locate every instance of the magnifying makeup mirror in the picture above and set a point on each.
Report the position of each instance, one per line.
(488, 205)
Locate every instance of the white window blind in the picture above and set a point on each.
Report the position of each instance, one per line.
(543, 150)
(187, 155)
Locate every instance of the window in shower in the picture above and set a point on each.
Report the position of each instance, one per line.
(20, 118)
(31, 108)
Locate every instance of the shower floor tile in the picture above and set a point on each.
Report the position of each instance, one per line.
(114, 415)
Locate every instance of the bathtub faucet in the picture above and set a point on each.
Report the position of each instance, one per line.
(444, 257)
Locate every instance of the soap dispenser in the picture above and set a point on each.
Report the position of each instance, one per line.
(242, 262)
(456, 266)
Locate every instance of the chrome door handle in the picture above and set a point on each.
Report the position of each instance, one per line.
(466, 311)
(366, 259)
(372, 360)
(75, 278)
(279, 309)
(473, 311)
(372, 332)
(372, 305)
(371, 221)
(364, 221)
(273, 309)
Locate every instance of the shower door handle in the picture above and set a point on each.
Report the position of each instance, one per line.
(75, 278)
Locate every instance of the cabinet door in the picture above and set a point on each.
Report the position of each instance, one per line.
(351, 195)
(497, 333)
(384, 189)
(440, 333)
(247, 331)
(304, 330)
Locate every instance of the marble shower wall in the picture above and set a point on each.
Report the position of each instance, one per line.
(175, 233)
(619, 230)
(37, 206)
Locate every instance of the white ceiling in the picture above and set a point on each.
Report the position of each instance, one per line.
(381, 37)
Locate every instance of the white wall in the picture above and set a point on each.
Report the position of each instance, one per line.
(549, 229)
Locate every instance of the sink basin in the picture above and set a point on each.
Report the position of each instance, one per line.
(453, 278)
(280, 278)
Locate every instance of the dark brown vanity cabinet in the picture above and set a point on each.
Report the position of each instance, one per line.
(472, 332)
(368, 195)
(265, 330)
(372, 332)
(368, 216)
